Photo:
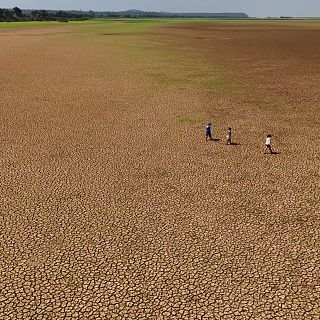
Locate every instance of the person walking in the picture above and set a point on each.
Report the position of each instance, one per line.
(208, 132)
(268, 144)
(229, 133)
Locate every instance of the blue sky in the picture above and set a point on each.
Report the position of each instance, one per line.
(258, 8)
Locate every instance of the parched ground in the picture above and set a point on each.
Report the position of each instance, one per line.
(113, 206)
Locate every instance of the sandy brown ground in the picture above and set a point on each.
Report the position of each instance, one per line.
(112, 204)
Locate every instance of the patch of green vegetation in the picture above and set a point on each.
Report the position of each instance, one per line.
(189, 74)
(31, 24)
(126, 24)
(120, 26)
(219, 82)
(123, 25)
(28, 24)
(166, 78)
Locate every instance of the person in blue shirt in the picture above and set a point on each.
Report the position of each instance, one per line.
(208, 131)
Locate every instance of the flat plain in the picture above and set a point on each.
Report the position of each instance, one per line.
(113, 205)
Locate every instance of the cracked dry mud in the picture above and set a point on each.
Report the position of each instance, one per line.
(113, 206)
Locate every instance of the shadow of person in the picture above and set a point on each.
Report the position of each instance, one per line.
(275, 152)
(215, 140)
(234, 144)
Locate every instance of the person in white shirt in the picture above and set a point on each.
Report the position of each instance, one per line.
(268, 143)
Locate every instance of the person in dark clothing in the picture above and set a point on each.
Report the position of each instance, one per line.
(208, 132)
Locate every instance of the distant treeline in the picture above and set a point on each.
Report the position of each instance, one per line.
(151, 14)
(16, 14)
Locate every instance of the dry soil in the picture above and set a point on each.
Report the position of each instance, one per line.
(113, 205)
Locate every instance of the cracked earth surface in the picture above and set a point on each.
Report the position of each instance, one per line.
(113, 206)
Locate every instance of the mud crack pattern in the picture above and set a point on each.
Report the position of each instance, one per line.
(113, 206)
